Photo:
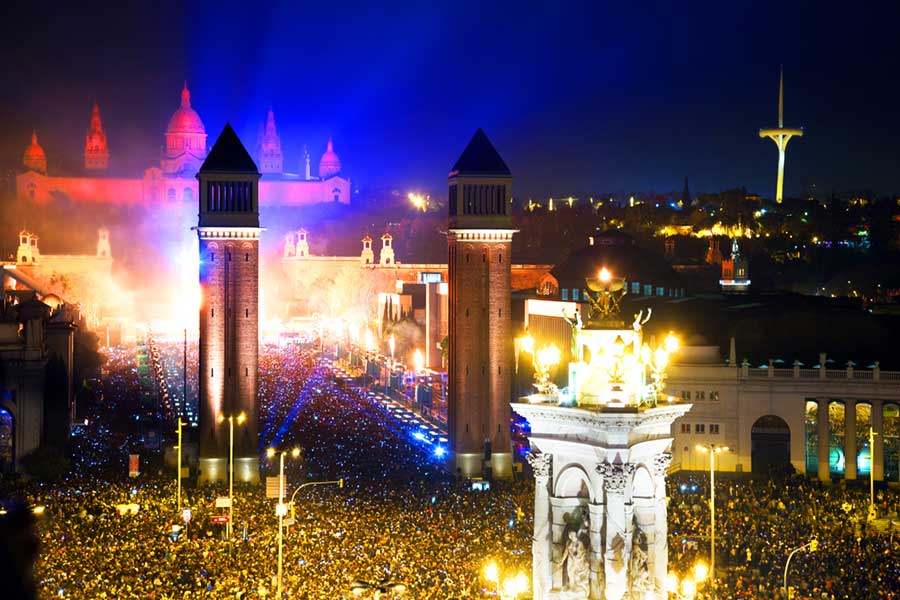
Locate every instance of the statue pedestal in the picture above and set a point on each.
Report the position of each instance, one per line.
(600, 500)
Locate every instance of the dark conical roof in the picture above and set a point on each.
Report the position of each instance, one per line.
(480, 158)
(229, 155)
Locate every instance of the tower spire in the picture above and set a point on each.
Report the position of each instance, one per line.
(781, 98)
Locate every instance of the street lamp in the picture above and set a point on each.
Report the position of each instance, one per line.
(281, 509)
(713, 450)
(339, 482)
(813, 545)
(385, 586)
(240, 421)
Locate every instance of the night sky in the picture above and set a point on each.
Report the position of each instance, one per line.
(592, 98)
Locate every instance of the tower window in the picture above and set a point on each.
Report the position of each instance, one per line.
(484, 257)
(565, 294)
(247, 257)
(500, 258)
(212, 312)
(212, 257)
(246, 372)
(247, 312)
(212, 372)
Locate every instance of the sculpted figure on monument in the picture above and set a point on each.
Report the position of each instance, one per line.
(639, 583)
(575, 558)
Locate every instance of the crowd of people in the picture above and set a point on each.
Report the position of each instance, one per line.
(398, 515)
(759, 523)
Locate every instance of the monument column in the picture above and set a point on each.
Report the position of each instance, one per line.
(850, 450)
(616, 478)
(823, 435)
(659, 551)
(877, 449)
(542, 465)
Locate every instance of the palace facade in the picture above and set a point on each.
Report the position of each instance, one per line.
(173, 179)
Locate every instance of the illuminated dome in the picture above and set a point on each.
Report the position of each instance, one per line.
(34, 157)
(330, 164)
(185, 119)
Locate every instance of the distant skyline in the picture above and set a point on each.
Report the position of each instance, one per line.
(578, 98)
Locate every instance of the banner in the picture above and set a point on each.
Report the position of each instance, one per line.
(272, 487)
(133, 464)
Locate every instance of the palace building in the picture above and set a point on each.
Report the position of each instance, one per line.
(172, 180)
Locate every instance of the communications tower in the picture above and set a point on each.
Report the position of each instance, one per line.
(781, 135)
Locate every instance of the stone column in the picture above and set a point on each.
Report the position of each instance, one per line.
(598, 577)
(850, 450)
(659, 552)
(542, 465)
(878, 443)
(616, 481)
(824, 439)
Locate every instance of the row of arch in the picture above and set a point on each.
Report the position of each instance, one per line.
(574, 482)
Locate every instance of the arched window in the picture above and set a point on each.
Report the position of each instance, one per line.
(188, 195)
(171, 194)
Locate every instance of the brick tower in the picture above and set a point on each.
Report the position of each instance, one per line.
(480, 240)
(229, 321)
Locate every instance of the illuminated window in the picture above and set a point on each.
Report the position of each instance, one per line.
(701, 428)
(648, 289)
(685, 428)
(660, 291)
(574, 294)
(565, 294)
(713, 395)
(635, 287)
(714, 429)
(699, 395)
